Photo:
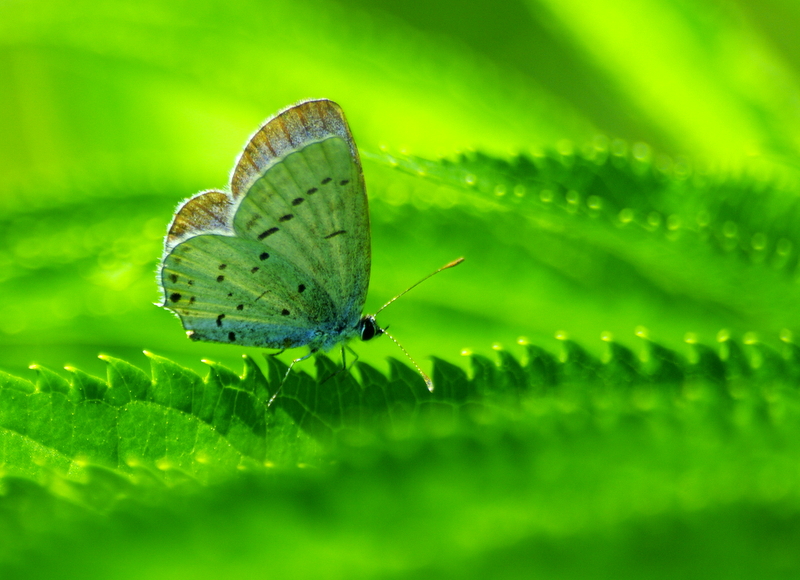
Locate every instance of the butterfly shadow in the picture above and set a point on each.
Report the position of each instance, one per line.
(321, 406)
(336, 406)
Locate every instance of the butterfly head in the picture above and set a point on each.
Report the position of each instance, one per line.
(368, 327)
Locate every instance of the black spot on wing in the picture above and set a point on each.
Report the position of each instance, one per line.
(173, 278)
(285, 312)
(220, 278)
(267, 233)
(254, 269)
(175, 297)
(301, 287)
(344, 182)
(285, 218)
(312, 191)
(334, 234)
(192, 299)
(263, 256)
(223, 266)
(219, 319)
(239, 306)
(298, 200)
(231, 336)
(326, 181)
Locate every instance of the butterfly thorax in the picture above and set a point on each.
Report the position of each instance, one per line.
(327, 338)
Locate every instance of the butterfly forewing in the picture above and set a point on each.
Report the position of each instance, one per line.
(312, 210)
(286, 262)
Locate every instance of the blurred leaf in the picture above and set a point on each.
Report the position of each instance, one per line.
(483, 450)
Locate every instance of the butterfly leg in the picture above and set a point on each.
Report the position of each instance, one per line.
(286, 376)
(344, 366)
(344, 363)
(355, 354)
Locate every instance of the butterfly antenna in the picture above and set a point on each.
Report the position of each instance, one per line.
(445, 267)
(428, 381)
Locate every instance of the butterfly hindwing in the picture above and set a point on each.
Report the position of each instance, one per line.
(226, 289)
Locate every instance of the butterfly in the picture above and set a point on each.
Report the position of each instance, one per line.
(282, 260)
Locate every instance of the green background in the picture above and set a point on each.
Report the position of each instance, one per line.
(113, 112)
(608, 169)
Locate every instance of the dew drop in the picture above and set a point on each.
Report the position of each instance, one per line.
(626, 215)
(750, 338)
(673, 222)
(565, 148)
(600, 143)
(573, 197)
(619, 148)
(641, 151)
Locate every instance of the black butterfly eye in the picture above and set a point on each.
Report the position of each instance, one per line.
(368, 328)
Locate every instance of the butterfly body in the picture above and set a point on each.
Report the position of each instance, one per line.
(283, 259)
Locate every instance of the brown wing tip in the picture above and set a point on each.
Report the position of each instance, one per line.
(208, 210)
(301, 123)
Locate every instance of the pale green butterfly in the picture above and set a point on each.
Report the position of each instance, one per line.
(283, 259)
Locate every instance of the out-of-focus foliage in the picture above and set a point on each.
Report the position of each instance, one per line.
(569, 456)
(608, 169)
